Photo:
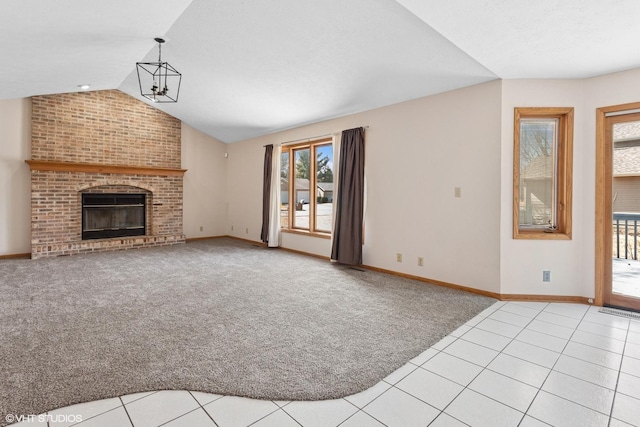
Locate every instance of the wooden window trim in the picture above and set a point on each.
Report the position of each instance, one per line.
(303, 232)
(564, 178)
(312, 231)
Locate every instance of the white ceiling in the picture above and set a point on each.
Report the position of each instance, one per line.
(252, 67)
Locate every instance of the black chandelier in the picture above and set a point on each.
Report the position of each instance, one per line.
(158, 80)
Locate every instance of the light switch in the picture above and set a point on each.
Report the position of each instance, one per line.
(458, 192)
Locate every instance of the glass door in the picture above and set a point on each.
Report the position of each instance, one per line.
(622, 141)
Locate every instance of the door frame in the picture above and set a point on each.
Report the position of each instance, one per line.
(604, 206)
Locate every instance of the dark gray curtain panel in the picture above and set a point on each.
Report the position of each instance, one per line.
(347, 230)
(266, 192)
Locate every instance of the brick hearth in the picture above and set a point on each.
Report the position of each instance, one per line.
(103, 141)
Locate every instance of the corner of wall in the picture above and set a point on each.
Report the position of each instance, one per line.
(571, 262)
(205, 184)
(15, 178)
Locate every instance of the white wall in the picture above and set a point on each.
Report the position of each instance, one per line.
(205, 184)
(416, 153)
(571, 262)
(15, 177)
(244, 189)
(522, 261)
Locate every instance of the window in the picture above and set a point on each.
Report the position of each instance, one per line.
(543, 147)
(307, 187)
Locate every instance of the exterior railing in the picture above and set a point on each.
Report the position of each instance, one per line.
(626, 233)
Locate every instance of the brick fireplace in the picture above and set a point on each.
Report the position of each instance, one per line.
(102, 142)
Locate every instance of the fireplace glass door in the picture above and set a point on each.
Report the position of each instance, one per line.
(112, 215)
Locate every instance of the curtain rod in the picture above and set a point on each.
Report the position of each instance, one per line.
(293, 141)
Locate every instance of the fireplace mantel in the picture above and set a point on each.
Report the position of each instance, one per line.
(43, 165)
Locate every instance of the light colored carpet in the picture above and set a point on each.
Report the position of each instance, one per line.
(220, 316)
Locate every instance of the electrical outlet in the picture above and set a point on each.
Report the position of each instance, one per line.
(201, 228)
(546, 275)
(457, 192)
(420, 261)
(246, 231)
(399, 257)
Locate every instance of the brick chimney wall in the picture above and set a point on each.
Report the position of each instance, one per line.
(102, 128)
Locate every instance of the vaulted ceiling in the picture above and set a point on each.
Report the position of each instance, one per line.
(253, 67)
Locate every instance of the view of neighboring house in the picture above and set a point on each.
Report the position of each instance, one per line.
(324, 190)
(626, 167)
(536, 191)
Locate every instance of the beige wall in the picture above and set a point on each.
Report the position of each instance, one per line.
(571, 262)
(417, 152)
(434, 144)
(522, 261)
(15, 178)
(205, 184)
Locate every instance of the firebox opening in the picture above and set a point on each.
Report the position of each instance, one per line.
(113, 215)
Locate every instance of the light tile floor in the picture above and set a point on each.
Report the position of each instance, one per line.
(515, 364)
